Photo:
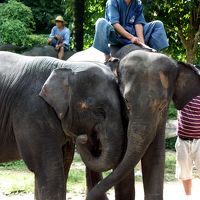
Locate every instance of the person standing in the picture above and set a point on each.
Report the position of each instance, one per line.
(188, 144)
(60, 37)
(124, 24)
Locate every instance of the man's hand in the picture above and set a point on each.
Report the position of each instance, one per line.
(57, 47)
(58, 37)
(136, 40)
(49, 40)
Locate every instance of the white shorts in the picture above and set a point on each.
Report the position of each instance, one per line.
(187, 154)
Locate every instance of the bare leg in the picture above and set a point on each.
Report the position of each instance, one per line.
(107, 57)
(61, 53)
(187, 184)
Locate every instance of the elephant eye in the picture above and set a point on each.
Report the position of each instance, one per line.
(100, 112)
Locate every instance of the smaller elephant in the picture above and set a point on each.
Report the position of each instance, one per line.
(148, 82)
(46, 51)
(12, 48)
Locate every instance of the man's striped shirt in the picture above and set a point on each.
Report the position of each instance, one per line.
(189, 120)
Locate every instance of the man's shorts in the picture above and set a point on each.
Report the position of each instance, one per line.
(54, 42)
(187, 154)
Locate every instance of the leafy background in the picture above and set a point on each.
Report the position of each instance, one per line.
(180, 17)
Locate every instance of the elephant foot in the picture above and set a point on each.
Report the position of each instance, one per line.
(154, 197)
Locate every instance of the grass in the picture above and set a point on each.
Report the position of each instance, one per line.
(15, 177)
(172, 112)
(170, 164)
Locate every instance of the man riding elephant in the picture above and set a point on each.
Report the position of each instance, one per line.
(124, 24)
(60, 37)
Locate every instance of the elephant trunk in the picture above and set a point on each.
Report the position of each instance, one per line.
(140, 137)
(111, 148)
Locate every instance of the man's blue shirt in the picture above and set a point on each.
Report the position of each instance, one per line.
(117, 11)
(65, 33)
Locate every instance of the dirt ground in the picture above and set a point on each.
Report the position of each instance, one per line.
(172, 191)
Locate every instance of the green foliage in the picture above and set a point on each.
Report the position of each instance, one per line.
(45, 12)
(181, 19)
(36, 40)
(14, 10)
(170, 166)
(16, 24)
(170, 143)
(94, 9)
(13, 32)
(16, 165)
(172, 112)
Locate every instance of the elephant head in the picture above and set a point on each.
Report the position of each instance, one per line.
(148, 81)
(86, 98)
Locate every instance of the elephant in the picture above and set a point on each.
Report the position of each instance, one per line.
(46, 51)
(35, 51)
(12, 48)
(148, 82)
(47, 106)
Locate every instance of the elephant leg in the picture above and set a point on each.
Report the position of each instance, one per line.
(36, 194)
(92, 178)
(44, 157)
(50, 181)
(68, 155)
(153, 163)
(126, 188)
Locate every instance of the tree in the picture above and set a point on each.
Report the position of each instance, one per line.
(85, 13)
(182, 21)
(16, 23)
(79, 11)
(94, 10)
(44, 12)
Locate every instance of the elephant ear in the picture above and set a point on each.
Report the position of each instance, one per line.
(55, 91)
(187, 84)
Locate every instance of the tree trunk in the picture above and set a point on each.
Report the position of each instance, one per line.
(79, 8)
(190, 54)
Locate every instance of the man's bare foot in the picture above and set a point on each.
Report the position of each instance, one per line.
(107, 57)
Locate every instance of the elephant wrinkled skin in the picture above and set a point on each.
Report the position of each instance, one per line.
(148, 82)
(46, 106)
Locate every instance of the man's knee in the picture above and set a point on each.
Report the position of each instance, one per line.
(101, 23)
(158, 24)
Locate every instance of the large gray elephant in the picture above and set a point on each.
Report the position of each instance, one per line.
(148, 82)
(47, 106)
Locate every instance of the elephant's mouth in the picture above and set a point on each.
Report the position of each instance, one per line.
(97, 150)
(92, 142)
(95, 144)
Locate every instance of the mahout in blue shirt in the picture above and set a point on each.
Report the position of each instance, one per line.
(64, 33)
(117, 11)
